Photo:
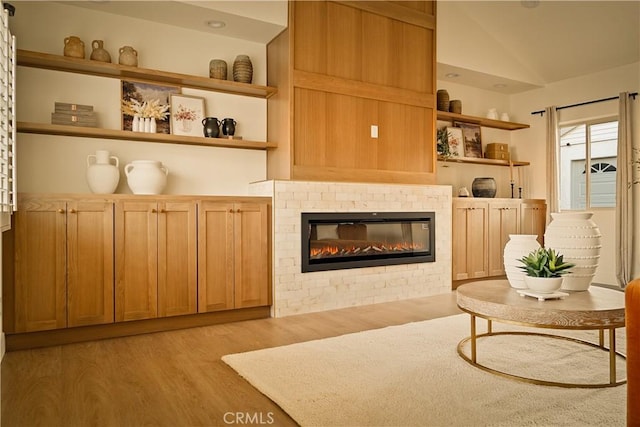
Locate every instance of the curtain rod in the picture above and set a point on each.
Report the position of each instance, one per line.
(632, 95)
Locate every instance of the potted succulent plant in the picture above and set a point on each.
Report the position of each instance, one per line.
(544, 268)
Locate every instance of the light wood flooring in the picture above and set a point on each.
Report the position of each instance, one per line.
(175, 378)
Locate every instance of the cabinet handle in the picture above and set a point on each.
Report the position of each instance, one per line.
(230, 210)
(60, 210)
(154, 210)
(238, 211)
(72, 210)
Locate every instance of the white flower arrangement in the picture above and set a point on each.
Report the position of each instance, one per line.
(146, 109)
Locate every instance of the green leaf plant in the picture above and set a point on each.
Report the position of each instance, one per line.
(545, 262)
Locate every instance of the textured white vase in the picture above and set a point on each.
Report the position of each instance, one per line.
(577, 237)
(103, 174)
(518, 246)
(146, 176)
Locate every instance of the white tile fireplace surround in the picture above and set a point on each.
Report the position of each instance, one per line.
(296, 292)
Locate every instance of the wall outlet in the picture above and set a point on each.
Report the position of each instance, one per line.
(374, 131)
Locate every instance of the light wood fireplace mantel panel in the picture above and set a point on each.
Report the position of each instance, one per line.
(342, 68)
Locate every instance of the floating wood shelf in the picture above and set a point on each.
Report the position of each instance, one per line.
(496, 124)
(481, 161)
(104, 69)
(89, 132)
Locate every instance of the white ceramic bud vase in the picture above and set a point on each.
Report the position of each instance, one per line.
(103, 174)
(575, 236)
(146, 176)
(518, 246)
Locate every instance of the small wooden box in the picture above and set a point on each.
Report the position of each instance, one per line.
(63, 107)
(498, 147)
(499, 155)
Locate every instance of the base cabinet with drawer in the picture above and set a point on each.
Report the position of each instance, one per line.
(481, 229)
(116, 260)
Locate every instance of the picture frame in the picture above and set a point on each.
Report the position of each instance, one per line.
(472, 134)
(455, 141)
(134, 95)
(187, 113)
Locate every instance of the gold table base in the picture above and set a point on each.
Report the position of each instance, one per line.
(613, 382)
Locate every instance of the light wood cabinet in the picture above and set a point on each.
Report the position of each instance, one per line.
(63, 264)
(534, 218)
(470, 239)
(481, 229)
(233, 255)
(504, 219)
(342, 68)
(155, 259)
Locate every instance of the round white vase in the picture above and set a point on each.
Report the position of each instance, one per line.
(103, 174)
(146, 176)
(575, 236)
(518, 246)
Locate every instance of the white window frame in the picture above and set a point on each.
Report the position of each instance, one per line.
(588, 158)
(7, 123)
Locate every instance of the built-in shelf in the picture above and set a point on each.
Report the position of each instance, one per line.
(496, 124)
(89, 132)
(481, 161)
(105, 69)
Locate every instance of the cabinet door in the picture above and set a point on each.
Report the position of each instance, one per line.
(504, 219)
(40, 266)
(534, 219)
(177, 263)
(90, 263)
(215, 256)
(251, 255)
(136, 260)
(469, 247)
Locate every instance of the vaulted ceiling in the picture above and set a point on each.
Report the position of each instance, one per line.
(506, 46)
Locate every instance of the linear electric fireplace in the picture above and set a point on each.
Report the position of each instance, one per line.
(332, 241)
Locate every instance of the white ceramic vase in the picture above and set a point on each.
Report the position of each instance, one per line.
(103, 174)
(518, 246)
(575, 236)
(135, 123)
(146, 176)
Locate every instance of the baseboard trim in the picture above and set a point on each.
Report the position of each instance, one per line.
(28, 340)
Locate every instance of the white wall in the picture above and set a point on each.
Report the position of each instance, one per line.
(58, 164)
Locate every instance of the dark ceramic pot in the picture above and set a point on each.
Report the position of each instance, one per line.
(211, 127)
(484, 187)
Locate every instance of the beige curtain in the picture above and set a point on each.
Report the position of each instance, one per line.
(553, 156)
(624, 194)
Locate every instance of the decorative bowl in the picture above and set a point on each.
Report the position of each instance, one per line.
(543, 285)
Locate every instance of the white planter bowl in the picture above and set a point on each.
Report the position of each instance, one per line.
(543, 285)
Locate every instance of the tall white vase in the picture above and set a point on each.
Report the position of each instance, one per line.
(577, 237)
(103, 174)
(146, 176)
(518, 246)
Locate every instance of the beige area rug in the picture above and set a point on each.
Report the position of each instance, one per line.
(412, 375)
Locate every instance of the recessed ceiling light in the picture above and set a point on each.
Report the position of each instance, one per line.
(215, 24)
(452, 75)
(499, 85)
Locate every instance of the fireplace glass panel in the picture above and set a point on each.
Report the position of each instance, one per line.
(348, 240)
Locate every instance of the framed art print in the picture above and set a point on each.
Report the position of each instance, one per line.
(146, 100)
(456, 142)
(187, 113)
(472, 139)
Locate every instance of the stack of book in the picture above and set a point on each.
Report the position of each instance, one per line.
(74, 115)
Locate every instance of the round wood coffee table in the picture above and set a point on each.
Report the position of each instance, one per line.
(494, 300)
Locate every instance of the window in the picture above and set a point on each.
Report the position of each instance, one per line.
(593, 143)
(7, 122)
